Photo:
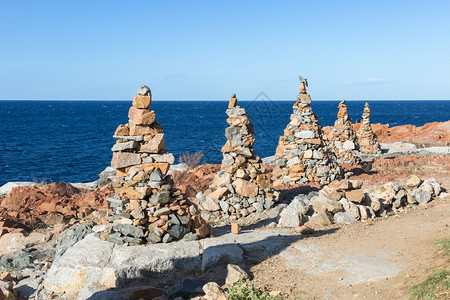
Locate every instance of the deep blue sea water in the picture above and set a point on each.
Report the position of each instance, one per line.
(71, 140)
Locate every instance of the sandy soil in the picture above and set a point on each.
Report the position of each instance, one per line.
(403, 241)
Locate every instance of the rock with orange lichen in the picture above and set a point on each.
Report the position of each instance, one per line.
(54, 203)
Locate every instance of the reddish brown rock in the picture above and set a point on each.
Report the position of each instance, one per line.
(140, 101)
(355, 196)
(239, 120)
(122, 130)
(140, 129)
(155, 145)
(141, 116)
(235, 228)
(245, 188)
(321, 220)
(233, 101)
(218, 194)
(340, 185)
(125, 159)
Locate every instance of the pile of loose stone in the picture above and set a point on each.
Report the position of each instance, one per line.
(147, 208)
(344, 201)
(302, 154)
(366, 137)
(343, 140)
(241, 188)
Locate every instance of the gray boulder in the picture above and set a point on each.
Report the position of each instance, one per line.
(322, 202)
(94, 262)
(431, 186)
(70, 237)
(420, 195)
(343, 218)
(144, 90)
(305, 134)
(235, 274)
(292, 216)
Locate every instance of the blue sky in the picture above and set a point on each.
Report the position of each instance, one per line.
(207, 50)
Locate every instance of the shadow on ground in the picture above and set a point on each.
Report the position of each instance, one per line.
(246, 250)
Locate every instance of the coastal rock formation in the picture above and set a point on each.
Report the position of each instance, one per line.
(147, 208)
(31, 207)
(435, 133)
(343, 140)
(366, 136)
(241, 187)
(430, 134)
(302, 154)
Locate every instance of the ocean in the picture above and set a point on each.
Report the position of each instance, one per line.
(71, 140)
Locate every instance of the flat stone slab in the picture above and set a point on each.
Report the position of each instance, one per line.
(402, 147)
(354, 269)
(93, 265)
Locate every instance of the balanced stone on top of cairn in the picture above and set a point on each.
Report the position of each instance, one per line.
(343, 140)
(366, 137)
(240, 188)
(302, 154)
(147, 208)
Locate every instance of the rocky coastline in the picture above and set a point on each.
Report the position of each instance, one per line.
(54, 237)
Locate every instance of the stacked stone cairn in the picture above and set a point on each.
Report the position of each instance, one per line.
(241, 188)
(343, 140)
(147, 208)
(366, 137)
(302, 155)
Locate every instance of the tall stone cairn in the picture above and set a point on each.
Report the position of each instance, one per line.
(241, 188)
(302, 154)
(343, 140)
(366, 137)
(147, 208)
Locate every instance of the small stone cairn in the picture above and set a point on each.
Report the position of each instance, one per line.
(241, 188)
(343, 140)
(147, 208)
(366, 137)
(302, 154)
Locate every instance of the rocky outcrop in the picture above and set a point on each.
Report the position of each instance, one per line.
(302, 154)
(93, 267)
(240, 188)
(59, 202)
(343, 140)
(366, 137)
(147, 208)
(435, 133)
(430, 134)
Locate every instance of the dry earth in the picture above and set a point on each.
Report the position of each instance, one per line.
(367, 260)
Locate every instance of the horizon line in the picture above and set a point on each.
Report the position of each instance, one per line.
(221, 100)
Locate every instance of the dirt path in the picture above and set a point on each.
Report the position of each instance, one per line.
(371, 260)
